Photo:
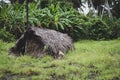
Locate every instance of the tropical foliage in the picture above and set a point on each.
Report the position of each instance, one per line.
(59, 16)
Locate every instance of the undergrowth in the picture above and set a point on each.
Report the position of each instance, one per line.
(91, 60)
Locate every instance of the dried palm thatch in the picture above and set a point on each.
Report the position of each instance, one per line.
(38, 42)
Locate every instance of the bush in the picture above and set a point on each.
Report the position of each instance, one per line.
(115, 29)
(12, 18)
(114, 25)
(6, 36)
(98, 29)
(92, 28)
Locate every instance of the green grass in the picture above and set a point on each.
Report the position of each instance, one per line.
(91, 60)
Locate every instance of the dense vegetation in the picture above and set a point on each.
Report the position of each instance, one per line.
(59, 17)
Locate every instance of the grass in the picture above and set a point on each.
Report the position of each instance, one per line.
(91, 60)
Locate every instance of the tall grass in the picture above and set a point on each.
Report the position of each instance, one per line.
(91, 60)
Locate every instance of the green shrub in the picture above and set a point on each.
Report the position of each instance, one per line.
(115, 29)
(12, 18)
(114, 25)
(92, 28)
(6, 36)
(117, 22)
(98, 29)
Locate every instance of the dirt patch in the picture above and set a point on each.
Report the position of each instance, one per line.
(57, 77)
(11, 76)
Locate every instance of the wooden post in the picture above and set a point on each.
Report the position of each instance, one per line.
(27, 14)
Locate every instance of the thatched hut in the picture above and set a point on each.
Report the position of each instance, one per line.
(38, 42)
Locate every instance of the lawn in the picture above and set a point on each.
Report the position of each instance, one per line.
(91, 60)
